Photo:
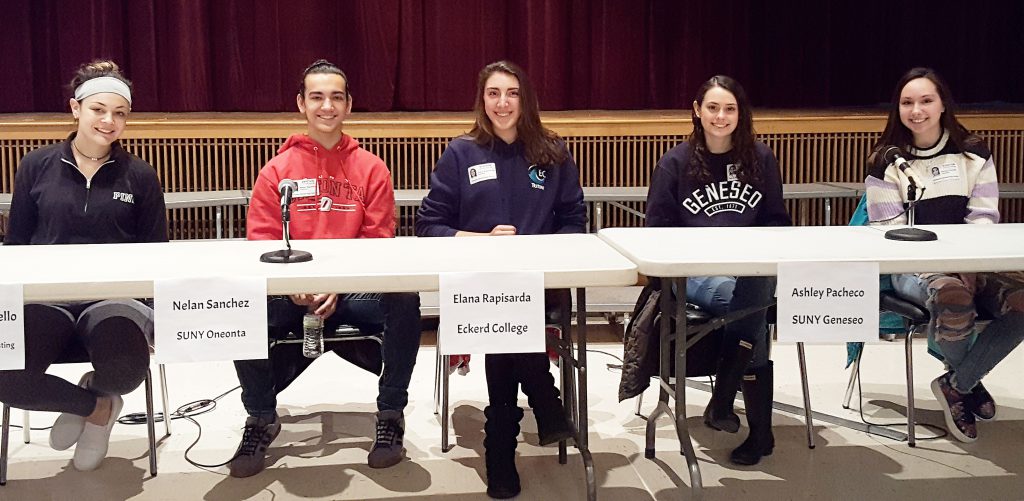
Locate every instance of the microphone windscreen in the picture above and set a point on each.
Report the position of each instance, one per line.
(287, 182)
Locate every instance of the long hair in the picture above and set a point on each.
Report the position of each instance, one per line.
(897, 134)
(541, 145)
(743, 136)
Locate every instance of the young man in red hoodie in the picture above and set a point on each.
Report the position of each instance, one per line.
(343, 191)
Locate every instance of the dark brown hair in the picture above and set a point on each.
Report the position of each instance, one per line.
(743, 137)
(324, 66)
(897, 134)
(542, 146)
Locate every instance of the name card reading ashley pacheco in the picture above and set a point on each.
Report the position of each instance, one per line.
(828, 302)
(491, 313)
(206, 319)
(12, 327)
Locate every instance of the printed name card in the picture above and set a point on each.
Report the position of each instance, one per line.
(12, 327)
(491, 313)
(828, 302)
(208, 319)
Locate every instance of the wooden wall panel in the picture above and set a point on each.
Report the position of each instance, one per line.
(192, 152)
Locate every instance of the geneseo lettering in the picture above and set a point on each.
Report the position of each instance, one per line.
(496, 328)
(827, 292)
(722, 196)
(210, 304)
(8, 316)
(208, 334)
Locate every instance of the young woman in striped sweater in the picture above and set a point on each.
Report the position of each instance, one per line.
(954, 180)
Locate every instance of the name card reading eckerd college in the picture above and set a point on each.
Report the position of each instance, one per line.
(827, 302)
(12, 327)
(491, 313)
(208, 319)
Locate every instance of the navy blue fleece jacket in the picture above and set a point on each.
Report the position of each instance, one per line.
(475, 188)
(676, 198)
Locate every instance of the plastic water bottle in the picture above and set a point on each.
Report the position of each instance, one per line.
(312, 336)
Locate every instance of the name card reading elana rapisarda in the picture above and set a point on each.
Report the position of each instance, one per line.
(500, 312)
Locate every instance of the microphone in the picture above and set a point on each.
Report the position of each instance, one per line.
(894, 155)
(286, 188)
(891, 155)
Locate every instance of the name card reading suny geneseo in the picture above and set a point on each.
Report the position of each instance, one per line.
(12, 327)
(828, 302)
(206, 319)
(491, 313)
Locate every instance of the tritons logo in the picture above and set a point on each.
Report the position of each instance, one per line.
(724, 196)
(537, 176)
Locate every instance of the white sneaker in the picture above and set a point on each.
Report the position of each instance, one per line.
(92, 445)
(68, 427)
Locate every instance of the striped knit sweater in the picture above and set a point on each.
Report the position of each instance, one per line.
(959, 186)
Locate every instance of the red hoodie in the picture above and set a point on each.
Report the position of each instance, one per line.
(344, 192)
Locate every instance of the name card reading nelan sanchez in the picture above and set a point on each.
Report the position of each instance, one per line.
(491, 313)
(12, 327)
(827, 302)
(210, 319)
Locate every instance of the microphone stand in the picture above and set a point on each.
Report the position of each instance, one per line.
(911, 234)
(286, 255)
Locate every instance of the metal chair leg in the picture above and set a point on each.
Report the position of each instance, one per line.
(854, 375)
(808, 420)
(639, 402)
(26, 427)
(444, 403)
(911, 421)
(437, 380)
(151, 422)
(6, 432)
(163, 395)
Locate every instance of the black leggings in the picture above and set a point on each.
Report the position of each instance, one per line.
(506, 372)
(114, 335)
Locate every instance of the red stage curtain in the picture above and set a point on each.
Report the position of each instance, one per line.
(413, 55)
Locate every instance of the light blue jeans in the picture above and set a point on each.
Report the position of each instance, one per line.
(998, 297)
(721, 294)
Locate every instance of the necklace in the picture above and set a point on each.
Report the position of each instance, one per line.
(94, 159)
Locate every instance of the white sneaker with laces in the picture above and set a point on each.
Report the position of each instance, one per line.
(68, 427)
(95, 439)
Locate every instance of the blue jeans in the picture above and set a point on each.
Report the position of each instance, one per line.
(719, 295)
(396, 314)
(969, 363)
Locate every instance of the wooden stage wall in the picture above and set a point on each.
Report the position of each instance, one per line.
(222, 151)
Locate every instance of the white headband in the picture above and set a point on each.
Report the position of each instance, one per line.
(103, 84)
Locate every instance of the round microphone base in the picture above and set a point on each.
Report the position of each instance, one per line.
(910, 235)
(286, 256)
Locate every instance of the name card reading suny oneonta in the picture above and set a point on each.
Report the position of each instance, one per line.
(12, 327)
(827, 302)
(210, 319)
(500, 312)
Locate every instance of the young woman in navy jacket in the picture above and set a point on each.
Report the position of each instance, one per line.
(509, 176)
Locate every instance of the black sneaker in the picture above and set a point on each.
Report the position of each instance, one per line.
(959, 420)
(250, 458)
(387, 447)
(980, 402)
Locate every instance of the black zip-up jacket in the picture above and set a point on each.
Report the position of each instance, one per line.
(53, 203)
